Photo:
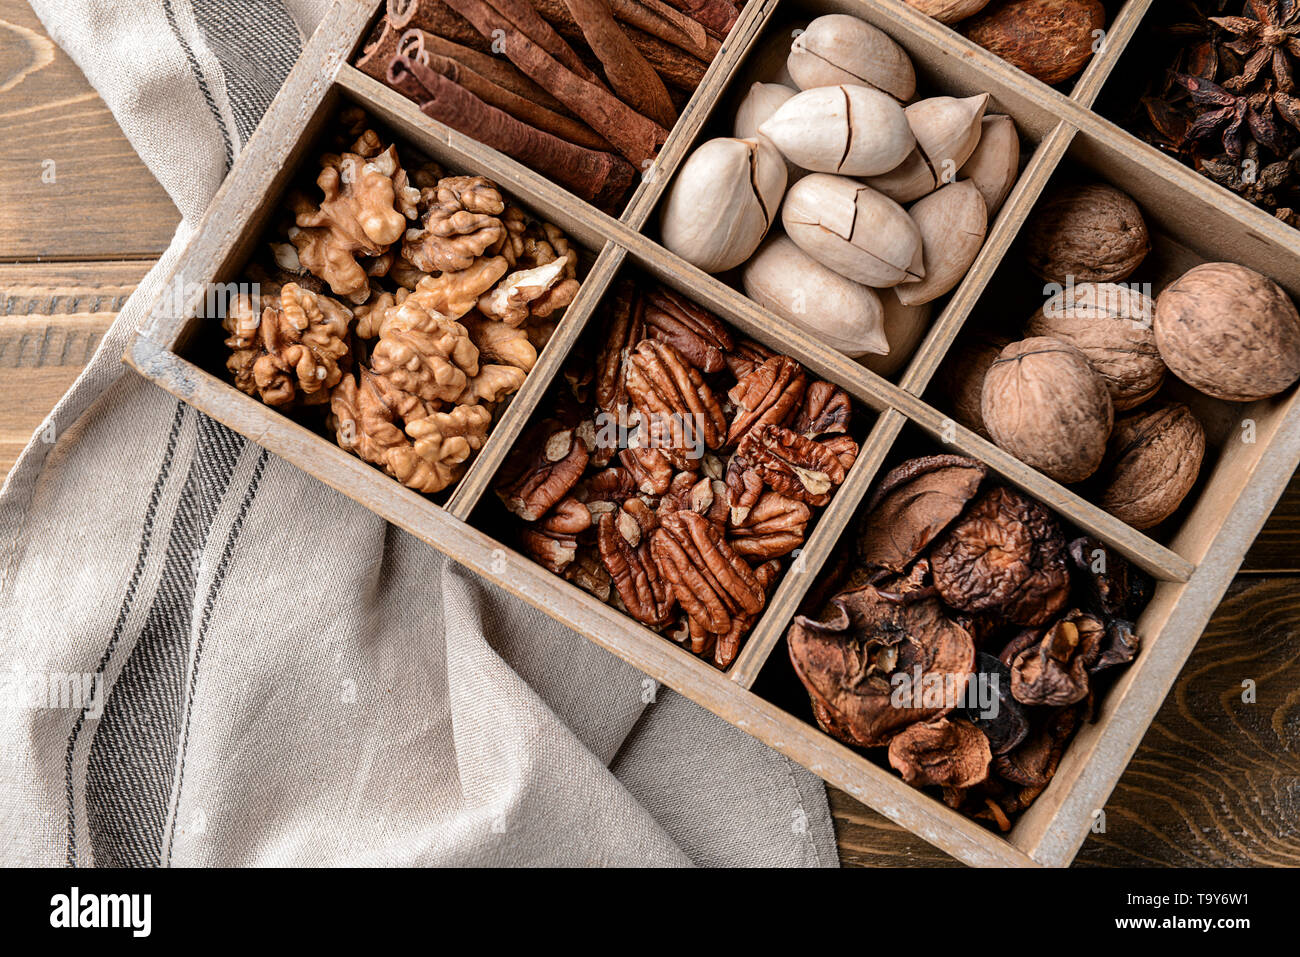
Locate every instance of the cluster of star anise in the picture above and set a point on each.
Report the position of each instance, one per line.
(1227, 103)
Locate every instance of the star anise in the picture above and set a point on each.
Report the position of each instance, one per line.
(1269, 38)
(1231, 117)
(1256, 184)
(1168, 123)
(1198, 38)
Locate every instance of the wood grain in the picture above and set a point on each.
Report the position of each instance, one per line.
(51, 319)
(73, 187)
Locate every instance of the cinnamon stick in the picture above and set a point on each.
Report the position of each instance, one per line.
(677, 67)
(632, 78)
(431, 16)
(521, 108)
(717, 16)
(668, 24)
(418, 44)
(636, 137)
(527, 21)
(601, 178)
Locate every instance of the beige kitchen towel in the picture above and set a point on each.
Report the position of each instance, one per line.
(208, 657)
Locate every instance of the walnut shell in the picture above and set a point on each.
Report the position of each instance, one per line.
(1050, 40)
(1111, 325)
(1154, 459)
(1005, 555)
(1229, 332)
(963, 374)
(1091, 233)
(1044, 404)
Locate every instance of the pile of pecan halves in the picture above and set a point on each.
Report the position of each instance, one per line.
(413, 304)
(678, 470)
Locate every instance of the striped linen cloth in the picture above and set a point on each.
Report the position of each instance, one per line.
(209, 658)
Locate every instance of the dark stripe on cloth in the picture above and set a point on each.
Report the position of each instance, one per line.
(203, 84)
(146, 538)
(132, 762)
(217, 579)
(257, 43)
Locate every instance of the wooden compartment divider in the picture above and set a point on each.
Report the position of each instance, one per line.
(506, 429)
(1193, 569)
(1118, 34)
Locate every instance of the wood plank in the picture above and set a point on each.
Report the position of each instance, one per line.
(1278, 546)
(51, 320)
(84, 192)
(1214, 782)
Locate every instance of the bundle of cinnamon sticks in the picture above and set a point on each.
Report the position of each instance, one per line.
(583, 91)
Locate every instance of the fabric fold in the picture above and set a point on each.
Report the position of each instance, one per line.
(272, 674)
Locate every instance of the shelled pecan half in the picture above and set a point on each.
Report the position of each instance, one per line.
(712, 583)
(791, 464)
(626, 554)
(767, 395)
(775, 526)
(696, 334)
(547, 476)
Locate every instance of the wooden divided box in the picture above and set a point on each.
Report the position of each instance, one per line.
(1191, 221)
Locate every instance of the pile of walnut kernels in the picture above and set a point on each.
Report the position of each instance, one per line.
(412, 303)
(684, 519)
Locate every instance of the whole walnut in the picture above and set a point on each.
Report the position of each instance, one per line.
(963, 377)
(1048, 39)
(1090, 233)
(1229, 332)
(1154, 459)
(1044, 404)
(1111, 325)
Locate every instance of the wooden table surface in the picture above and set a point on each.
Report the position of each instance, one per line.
(1216, 781)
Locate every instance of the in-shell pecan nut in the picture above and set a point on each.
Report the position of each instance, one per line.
(696, 334)
(547, 476)
(768, 395)
(712, 583)
(791, 464)
(626, 555)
